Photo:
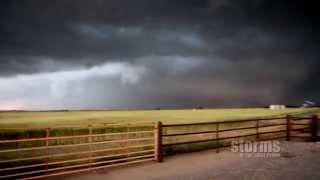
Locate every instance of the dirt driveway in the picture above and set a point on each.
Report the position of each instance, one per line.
(297, 161)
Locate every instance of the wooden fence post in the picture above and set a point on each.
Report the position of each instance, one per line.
(158, 141)
(288, 117)
(314, 128)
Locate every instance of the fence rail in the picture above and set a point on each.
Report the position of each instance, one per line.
(61, 155)
(260, 126)
(109, 146)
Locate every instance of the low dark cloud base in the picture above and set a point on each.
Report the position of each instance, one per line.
(177, 53)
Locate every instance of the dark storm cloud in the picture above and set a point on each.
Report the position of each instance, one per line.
(177, 52)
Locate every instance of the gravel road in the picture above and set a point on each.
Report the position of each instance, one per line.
(298, 161)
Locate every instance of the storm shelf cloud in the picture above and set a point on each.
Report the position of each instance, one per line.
(143, 54)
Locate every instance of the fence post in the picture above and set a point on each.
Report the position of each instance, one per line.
(217, 137)
(314, 128)
(257, 130)
(90, 133)
(90, 145)
(158, 141)
(288, 117)
(47, 150)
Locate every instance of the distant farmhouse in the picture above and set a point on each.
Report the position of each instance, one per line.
(277, 107)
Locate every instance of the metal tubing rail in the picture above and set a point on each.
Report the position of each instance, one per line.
(76, 153)
(73, 145)
(76, 166)
(74, 137)
(75, 160)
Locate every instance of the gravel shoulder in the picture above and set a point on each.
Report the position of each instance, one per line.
(297, 161)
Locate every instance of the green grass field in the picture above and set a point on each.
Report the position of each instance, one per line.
(49, 119)
(25, 120)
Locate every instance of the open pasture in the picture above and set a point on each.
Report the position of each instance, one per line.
(84, 118)
(97, 130)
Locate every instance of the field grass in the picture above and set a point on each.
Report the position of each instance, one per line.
(43, 120)
(49, 119)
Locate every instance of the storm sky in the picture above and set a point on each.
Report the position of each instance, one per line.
(101, 54)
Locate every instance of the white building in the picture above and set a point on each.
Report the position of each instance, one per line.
(308, 104)
(277, 107)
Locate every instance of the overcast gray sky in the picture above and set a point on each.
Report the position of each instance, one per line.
(98, 54)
